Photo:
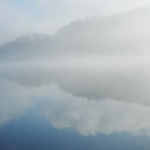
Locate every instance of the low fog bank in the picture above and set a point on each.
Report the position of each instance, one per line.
(119, 78)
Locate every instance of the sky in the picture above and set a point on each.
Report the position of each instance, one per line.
(20, 18)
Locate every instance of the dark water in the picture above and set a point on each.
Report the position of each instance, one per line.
(33, 132)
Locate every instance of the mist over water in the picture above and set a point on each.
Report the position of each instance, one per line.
(90, 95)
(91, 80)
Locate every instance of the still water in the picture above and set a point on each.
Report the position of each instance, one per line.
(68, 107)
(33, 132)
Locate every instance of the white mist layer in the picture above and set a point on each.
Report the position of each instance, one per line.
(125, 78)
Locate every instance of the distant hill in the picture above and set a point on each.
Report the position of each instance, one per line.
(126, 33)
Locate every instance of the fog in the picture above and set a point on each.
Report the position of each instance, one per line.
(115, 77)
(121, 34)
(92, 76)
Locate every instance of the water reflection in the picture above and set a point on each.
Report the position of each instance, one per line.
(64, 110)
(33, 132)
(38, 112)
